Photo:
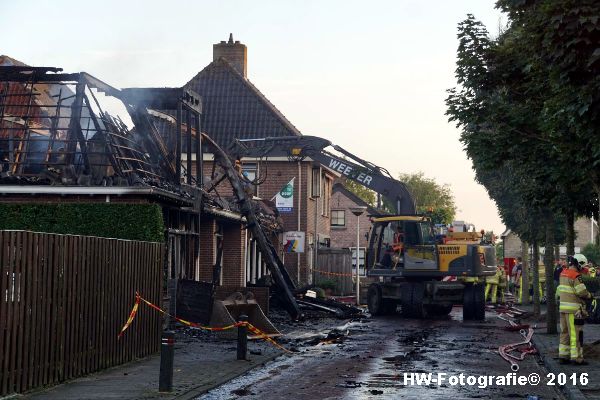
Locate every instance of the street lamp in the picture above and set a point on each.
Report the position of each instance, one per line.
(358, 211)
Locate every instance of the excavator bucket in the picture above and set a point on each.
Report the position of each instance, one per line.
(227, 312)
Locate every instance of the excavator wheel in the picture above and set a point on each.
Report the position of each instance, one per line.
(479, 302)
(377, 304)
(474, 302)
(412, 301)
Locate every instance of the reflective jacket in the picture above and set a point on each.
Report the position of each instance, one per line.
(572, 292)
(502, 280)
(492, 280)
(542, 273)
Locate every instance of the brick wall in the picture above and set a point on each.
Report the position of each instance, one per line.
(583, 232)
(342, 237)
(512, 246)
(279, 173)
(583, 229)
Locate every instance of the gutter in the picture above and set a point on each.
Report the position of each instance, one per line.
(90, 191)
(230, 215)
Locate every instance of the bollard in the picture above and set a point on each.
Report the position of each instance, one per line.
(167, 353)
(242, 341)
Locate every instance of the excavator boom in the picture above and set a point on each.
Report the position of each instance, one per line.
(350, 166)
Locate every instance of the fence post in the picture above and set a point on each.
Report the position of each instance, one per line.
(242, 340)
(167, 353)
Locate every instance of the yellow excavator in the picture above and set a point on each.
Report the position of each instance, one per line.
(413, 265)
(410, 261)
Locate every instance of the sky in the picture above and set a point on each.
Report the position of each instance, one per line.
(369, 76)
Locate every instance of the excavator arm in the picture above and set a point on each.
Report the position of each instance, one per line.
(350, 166)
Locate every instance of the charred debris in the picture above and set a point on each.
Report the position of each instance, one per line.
(73, 131)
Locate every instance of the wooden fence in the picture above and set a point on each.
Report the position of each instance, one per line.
(63, 300)
(337, 261)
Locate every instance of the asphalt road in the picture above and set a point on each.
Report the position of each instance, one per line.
(377, 358)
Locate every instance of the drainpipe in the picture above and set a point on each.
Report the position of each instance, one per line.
(316, 239)
(299, 220)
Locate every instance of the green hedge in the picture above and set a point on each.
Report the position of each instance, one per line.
(121, 221)
(592, 284)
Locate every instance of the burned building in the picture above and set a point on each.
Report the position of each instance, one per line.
(71, 137)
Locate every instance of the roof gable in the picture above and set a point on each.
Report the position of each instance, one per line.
(339, 187)
(233, 108)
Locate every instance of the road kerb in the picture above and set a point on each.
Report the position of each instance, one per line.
(571, 392)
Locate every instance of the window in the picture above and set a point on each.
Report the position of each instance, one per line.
(338, 218)
(361, 261)
(325, 196)
(315, 187)
(250, 172)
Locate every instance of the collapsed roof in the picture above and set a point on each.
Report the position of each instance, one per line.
(83, 135)
(75, 130)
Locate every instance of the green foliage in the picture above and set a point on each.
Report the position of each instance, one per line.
(430, 197)
(499, 253)
(367, 195)
(327, 284)
(121, 221)
(591, 284)
(501, 105)
(528, 106)
(592, 252)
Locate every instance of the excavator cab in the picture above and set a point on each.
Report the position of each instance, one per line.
(407, 246)
(401, 243)
(423, 272)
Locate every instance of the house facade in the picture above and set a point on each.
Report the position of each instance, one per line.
(233, 108)
(344, 223)
(586, 230)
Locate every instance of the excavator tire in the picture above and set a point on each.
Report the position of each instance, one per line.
(377, 304)
(374, 300)
(479, 302)
(412, 301)
(469, 303)
(474, 302)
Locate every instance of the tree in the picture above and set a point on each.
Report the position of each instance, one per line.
(431, 197)
(499, 253)
(497, 106)
(367, 195)
(592, 252)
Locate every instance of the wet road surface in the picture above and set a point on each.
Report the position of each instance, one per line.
(372, 361)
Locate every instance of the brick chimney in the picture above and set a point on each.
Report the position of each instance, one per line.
(234, 52)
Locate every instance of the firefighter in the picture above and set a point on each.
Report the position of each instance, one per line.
(502, 283)
(572, 294)
(491, 286)
(542, 281)
(583, 263)
(528, 291)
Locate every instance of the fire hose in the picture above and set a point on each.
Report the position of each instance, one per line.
(506, 351)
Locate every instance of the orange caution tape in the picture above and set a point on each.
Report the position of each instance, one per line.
(331, 273)
(134, 310)
(260, 334)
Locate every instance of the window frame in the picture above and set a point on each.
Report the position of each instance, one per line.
(334, 218)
